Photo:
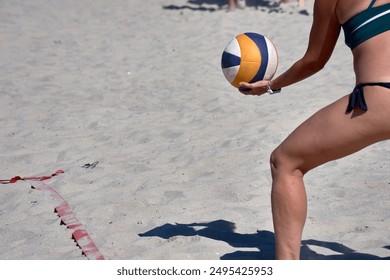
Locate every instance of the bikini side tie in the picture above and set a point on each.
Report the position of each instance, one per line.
(357, 96)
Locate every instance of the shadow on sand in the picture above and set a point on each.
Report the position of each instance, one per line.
(262, 242)
(215, 5)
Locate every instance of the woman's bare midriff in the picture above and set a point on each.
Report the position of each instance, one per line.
(372, 60)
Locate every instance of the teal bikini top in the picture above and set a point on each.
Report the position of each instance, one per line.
(367, 24)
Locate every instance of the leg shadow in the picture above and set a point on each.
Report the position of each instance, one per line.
(262, 242)
(342, 252)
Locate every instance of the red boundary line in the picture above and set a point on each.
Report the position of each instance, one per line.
(68, 218)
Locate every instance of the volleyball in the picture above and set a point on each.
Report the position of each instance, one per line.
(249, 57)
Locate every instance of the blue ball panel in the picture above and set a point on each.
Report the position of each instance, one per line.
(262, 44)
(229, 60)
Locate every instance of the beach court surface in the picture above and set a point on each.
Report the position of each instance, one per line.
(162, 158)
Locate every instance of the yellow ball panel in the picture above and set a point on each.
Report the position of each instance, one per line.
(250, 60)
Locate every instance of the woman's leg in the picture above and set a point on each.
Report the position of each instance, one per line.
(329, 134)
(231, 5)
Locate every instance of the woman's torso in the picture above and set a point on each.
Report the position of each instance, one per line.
(372, 57)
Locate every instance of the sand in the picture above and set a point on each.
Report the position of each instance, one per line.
(181, 158)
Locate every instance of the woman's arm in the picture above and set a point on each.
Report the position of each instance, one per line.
(322, 40)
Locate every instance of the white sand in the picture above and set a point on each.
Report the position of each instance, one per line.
(183, 157)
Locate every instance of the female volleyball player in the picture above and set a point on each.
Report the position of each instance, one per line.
(346, 126)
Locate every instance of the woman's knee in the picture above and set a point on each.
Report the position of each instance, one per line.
(283, 163)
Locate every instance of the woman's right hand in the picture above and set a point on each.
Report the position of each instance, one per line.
(256, 88)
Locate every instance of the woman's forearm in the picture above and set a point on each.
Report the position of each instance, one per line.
(299, 71)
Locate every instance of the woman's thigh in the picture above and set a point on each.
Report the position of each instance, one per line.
(331, 133)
